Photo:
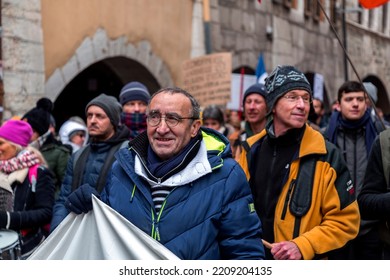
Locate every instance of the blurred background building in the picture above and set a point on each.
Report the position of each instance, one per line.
(71, 51)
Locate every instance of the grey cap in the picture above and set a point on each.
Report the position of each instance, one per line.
(110, 106)
(372, 91)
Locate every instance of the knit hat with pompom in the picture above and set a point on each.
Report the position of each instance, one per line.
(39, 116)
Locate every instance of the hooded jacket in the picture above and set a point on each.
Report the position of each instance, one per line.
(332, 215)
(209, 213)
(67, 129)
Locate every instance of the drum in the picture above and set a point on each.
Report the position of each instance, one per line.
(9, 245)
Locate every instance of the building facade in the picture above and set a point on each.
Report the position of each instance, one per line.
(71, 51)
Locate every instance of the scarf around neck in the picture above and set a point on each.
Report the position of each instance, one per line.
(336, 121)
(164, 169)
(22, 160)
(38, 143)
(135, 122)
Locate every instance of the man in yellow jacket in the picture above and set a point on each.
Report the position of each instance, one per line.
(302, 189)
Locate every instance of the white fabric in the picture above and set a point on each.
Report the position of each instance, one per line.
(236, 94)
(198, 167)
(318, 87)
(100, 234)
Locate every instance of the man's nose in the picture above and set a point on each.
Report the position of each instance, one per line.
(163, 126)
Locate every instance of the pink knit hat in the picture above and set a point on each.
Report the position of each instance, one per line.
(16, 131)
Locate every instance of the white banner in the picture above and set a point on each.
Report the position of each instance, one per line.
(236, 96)
(100, 234)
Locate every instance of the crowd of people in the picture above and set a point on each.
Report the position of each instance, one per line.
(287, 181)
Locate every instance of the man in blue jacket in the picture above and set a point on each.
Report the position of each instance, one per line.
(91, 164)
(180, 184)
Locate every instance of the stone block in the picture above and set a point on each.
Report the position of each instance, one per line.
(100, 44)
(85, 54)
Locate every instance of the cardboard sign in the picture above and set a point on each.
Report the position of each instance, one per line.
(208, 78)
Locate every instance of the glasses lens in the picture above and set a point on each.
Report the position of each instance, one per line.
(154, 119)
(171, 120)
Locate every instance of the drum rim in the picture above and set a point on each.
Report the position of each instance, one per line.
(15, 240)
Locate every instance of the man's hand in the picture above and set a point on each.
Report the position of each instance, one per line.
(286, 250)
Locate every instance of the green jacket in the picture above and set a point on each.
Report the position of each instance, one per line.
(56, 156)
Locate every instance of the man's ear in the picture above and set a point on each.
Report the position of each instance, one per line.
(195, 126)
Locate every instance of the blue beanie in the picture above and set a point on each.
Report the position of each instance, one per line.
(255, 89)
(134, 91)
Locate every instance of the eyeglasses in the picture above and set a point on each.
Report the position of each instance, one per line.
(293, 98)
(172, 120)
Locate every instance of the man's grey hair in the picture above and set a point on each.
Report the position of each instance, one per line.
(173, 90)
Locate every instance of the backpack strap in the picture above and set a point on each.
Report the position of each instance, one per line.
(384, 140)
(302, 193)
(79, 162)
(247, 148)
(107, 165)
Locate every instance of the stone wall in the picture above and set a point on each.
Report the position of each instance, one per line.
(243, 28)
(22, 54)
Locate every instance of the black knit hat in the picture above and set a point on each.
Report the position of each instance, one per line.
(213, 112)
(39, 116)
(134, 91)
(110, 106)
(255, 89)
(282, 80)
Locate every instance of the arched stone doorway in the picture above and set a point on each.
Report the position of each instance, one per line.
(106, 76)
(101, 64)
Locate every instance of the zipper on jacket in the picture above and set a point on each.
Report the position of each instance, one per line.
(286, 201)
(155, 231)
(133, 193)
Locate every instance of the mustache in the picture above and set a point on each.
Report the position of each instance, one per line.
(93, 126)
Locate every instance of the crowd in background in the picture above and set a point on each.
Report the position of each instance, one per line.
(282, 132)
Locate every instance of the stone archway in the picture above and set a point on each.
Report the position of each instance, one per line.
(100, 47)
(107, 76)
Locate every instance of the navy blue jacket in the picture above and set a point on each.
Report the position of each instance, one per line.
(208, 215)
(93, 168)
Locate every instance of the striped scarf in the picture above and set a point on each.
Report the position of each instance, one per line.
(23, 160)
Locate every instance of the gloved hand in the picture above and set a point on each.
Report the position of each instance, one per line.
(80, 201)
